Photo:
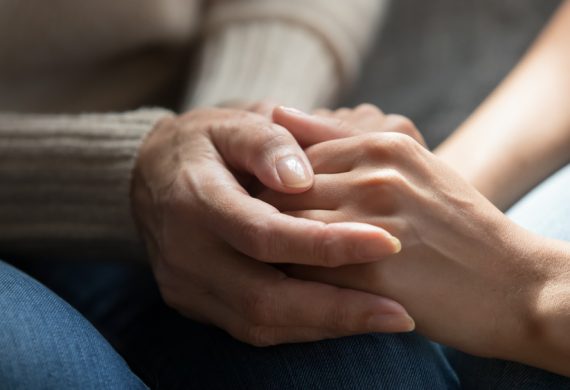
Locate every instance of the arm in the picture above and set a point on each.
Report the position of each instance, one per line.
(500, 290)
(301, 53)
(208, 240)
(521, 133)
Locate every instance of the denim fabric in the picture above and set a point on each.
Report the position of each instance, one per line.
(171, 352)
(546, 211)
(210, 359)
(46, 344)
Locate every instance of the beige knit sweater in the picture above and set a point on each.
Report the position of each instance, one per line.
(74, 74)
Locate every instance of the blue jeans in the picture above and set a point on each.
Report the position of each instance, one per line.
(45, 343)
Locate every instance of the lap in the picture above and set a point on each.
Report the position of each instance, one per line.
(169, 351)
(208, 358)
(47, 344)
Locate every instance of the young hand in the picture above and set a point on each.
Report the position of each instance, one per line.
(467, 274)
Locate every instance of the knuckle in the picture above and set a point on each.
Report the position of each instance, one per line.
(256, 235)
(399, 143)
(386, 178)
(397, 140)
(258, 305)
(386, 144)
(267, 142)
(339, 318)
(402, 124)
(374, 144)
(320, 249)
(265, 138)
(367, 108)
(264, 240)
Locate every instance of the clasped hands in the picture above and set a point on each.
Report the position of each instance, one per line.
(274, 244)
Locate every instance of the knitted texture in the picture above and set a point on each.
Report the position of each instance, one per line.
(69, 176)
(299, 53)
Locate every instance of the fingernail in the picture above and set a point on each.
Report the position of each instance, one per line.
(397, 244)
(293, 111)
(376, 248)
(293, 172)
(391, 323)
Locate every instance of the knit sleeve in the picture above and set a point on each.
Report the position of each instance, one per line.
(301, 53)
(67, 177)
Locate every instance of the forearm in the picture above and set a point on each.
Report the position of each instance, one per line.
(521, 133)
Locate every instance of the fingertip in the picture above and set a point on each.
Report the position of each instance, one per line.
(280, 163)
(297, 122)
(389, 316)
(391, 323)
(374, 243)
(283, 111)
(397, 244)
(385, 306)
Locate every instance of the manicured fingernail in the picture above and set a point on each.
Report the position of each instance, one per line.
(293, 111)
(391, 323)
(293, 172)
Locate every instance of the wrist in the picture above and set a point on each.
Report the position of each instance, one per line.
(149, 159)
(154, 151)
(540, 314)
(550, 344)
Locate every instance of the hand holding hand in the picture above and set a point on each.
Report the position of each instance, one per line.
(210, 241)
(463, 262)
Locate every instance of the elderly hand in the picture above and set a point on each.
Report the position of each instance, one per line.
(212, 245)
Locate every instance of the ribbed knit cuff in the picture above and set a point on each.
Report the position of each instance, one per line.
(265, 60)
(298, 53)
(68, 176)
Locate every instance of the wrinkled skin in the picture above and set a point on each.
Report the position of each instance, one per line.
(212, 245)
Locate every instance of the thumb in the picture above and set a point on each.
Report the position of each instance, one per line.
(266, 151)
(311, 129)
